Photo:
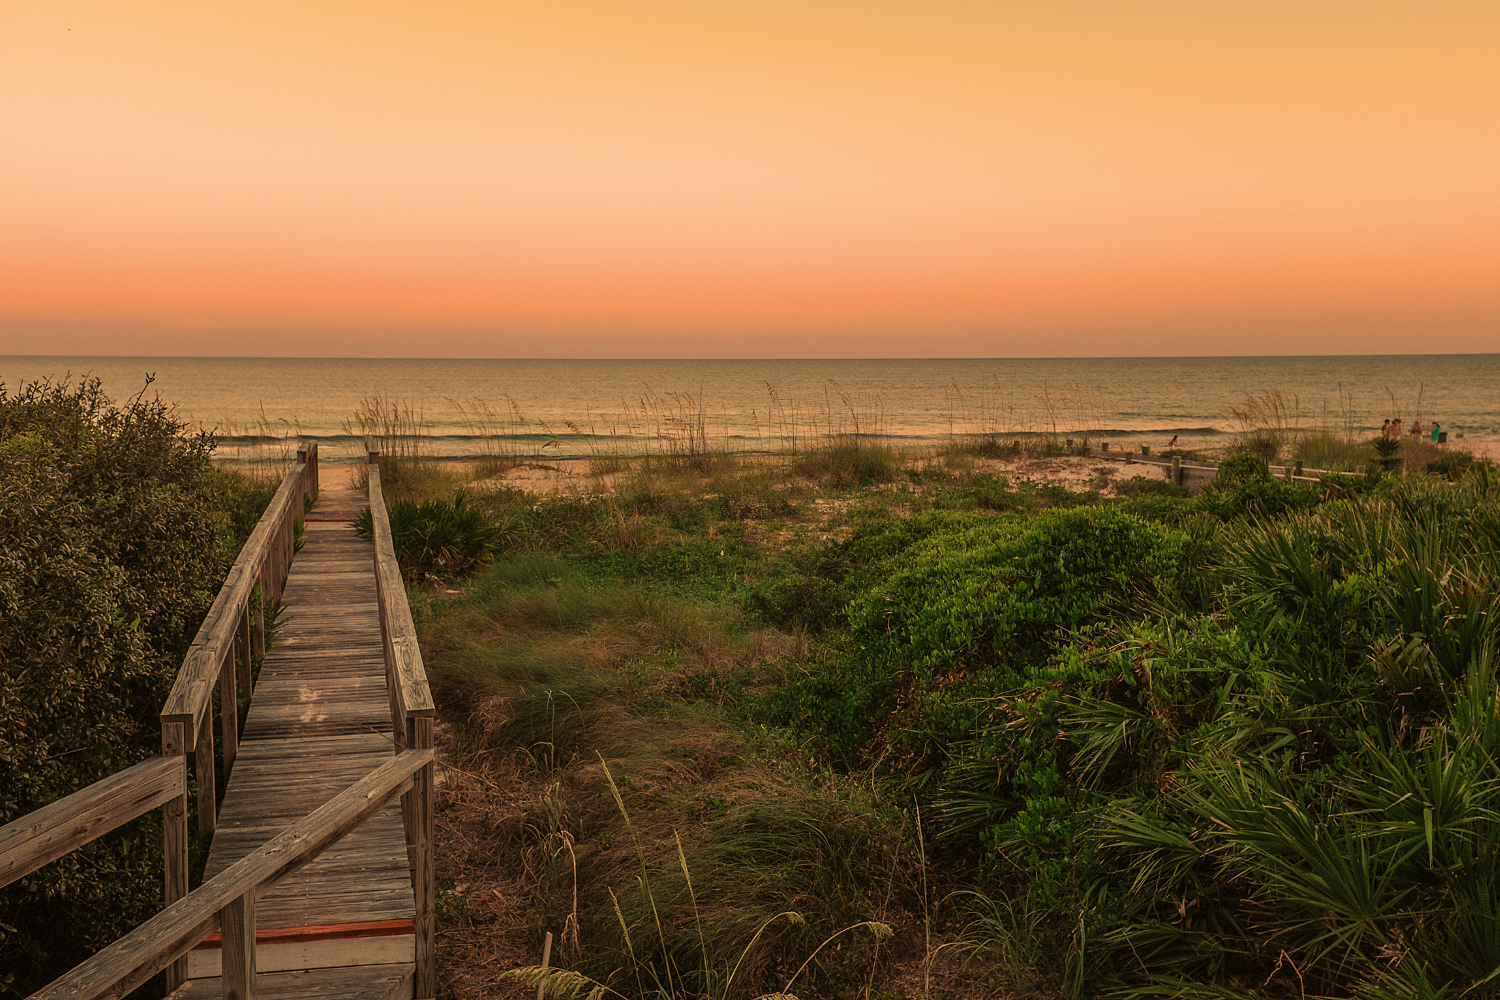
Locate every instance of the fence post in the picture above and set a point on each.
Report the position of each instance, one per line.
(1177, 470)
(258, 634)
(237, 924)
(244, 645)
(174, 840)
(424, 985)
(229, 708)
(203, 770)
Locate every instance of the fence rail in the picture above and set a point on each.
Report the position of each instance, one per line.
(41, 837)
(226, 903)
(412, 716)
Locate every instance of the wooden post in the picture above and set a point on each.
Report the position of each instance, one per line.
(203, 770)
(229, 709)
(174, 839)
(1177, 469)
(258, 634)
(238, 955)
(1298, 470)
(243, 643)
(424, 985)
(546, 961)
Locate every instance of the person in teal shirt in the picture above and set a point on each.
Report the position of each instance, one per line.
(1435, 427)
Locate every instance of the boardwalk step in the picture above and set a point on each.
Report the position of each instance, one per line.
(372, 943)
(365, 982)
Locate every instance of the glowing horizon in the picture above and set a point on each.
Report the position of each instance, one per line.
(777, 180)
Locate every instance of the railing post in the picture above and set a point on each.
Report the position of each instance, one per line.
(237, 923)
(1177, 470)
(420, 811)
(244, 645)
(258, 633)
(203, 770)
(229, 709)
(174, 840)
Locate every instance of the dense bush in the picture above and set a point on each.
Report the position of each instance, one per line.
(113, 540)
(1210, 747)
(446, 538)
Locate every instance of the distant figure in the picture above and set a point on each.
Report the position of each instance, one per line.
(1173, 443)
(1416, 427)
(1396, 428)
(1436, 430)
(1385, 428)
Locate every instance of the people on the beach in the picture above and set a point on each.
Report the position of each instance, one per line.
(1396, 428)
(1437, 429)
(1385, 428)
(1173, 443)
(1416, 427)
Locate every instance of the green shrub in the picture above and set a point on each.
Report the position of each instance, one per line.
(1244, 487)
(968, 597)
(445, 538)
(1141, 486)
(113, 540)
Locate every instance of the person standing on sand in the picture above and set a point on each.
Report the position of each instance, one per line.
(1396, 428)
(1436, 429)
(1416, 427)
(1385, 428)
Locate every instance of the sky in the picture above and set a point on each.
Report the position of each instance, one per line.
(933, 178)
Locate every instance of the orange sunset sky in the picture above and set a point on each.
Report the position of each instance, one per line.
(749, 179)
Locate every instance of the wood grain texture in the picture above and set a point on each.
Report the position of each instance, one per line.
(193, 687)
(136, 957)
(43, 836)
(371, 982)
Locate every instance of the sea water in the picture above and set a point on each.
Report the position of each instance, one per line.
(576, 408)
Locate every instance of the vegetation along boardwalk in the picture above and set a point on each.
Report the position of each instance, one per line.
(319, 874)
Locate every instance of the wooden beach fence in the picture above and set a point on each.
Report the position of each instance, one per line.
(219, 660)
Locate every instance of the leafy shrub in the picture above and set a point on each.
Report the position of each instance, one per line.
(968, 596)
(446, 538)
(1244, 487)
(1141, 486)
(113, 539)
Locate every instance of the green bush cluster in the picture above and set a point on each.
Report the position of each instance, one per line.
(443, 538)
(1200, 742)
(114, 536)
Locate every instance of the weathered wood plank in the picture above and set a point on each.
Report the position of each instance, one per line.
(136, 957)
(369, 982)
(193, 687)
(41, 837)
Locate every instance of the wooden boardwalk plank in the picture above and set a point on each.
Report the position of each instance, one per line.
(319, 721)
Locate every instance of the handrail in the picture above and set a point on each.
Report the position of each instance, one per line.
(412, 695)
(412, 718)
(232, 634)
(227, 901)
(41, 837)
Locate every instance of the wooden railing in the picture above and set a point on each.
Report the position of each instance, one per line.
(226, 903)
(41, 837)
(231, 634)
(412, 716)
(219, 658)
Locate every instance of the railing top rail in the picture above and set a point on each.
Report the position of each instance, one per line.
(192, 690)
(43, 836)
(172, 933)
(413, 693)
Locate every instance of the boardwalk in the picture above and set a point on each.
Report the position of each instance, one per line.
(319, 879)
(319, 721)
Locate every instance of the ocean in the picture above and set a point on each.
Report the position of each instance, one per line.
(577, 408)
